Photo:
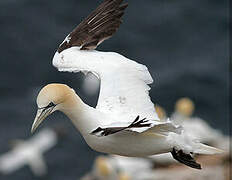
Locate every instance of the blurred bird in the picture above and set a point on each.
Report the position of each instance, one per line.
(29, 153)
(197, 127)
(124, 121)
(161, 113)
(103, 169)
(115, 167)
(184, 109)
(124, 176)
(132, 168)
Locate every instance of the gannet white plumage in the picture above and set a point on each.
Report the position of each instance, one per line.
(29, 153)
(124, 121)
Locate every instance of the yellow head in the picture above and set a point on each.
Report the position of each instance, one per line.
(161, 112)
(185, 106)
(103, 167)
(124, 176)
(51, 98)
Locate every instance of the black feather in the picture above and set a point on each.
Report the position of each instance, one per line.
(100, 25)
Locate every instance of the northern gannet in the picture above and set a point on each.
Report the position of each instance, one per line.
(113, 167)
(124, 121)
(102, 169)
(29, 153)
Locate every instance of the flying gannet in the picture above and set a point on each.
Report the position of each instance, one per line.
(124, 121)
(29, 153)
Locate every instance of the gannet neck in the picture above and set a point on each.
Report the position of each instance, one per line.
(71, 103)
(60, 97)
(84, 117)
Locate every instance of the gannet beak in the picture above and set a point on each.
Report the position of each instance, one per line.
(40, 116)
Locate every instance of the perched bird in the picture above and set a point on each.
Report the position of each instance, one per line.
(29, 153)
(103, 169)
(131, 168)
(160, 112)
(113, 167)
(124, 121)
(184, 109)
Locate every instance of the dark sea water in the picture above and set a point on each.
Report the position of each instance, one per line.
(184, 44)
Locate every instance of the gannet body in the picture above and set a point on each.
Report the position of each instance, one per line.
(124, 121)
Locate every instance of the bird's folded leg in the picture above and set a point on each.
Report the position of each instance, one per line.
(112, 130)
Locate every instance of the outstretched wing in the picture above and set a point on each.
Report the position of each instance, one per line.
(124, 90)
(100, 25)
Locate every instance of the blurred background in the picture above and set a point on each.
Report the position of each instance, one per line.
(185, 45)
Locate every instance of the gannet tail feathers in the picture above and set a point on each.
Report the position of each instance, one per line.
(205, 149)
(188, 145)
(184, 146)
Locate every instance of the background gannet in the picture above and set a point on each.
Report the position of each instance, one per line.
(124, 168)
(113, 167)
(195, 126)
(124, 121)
(29, 153)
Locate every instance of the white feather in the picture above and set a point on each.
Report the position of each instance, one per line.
(124, 90)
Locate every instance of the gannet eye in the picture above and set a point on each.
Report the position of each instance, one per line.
(51, 104)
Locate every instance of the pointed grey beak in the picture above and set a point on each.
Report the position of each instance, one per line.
(40, 116)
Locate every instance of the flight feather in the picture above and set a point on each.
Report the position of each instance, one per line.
(100, 25)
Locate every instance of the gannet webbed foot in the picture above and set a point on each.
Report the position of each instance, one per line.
(186, 159)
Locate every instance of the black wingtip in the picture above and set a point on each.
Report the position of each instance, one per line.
(123, 6)
(186, 159)
(100, 25)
